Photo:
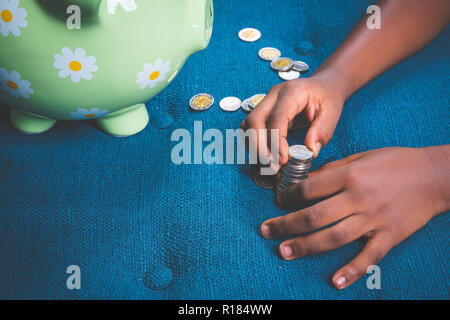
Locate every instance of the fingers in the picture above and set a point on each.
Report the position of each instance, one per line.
(375, 250)
(346, 231)
(314, 187)
(322, 128)
(320, 215)
(284, 111)
(257, 121)
(336, 164)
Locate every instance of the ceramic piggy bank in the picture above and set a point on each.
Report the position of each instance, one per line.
(94, 59)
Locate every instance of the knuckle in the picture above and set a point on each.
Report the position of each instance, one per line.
(292, 85)
(339, 236)
(324, 134)
(355, 271)
(311, 219)
(374, 256)
(353, 175)
(278, 226)
(303, 248)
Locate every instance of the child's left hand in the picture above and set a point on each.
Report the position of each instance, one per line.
(385, 195)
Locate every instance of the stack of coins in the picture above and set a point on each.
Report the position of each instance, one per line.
(297, 168)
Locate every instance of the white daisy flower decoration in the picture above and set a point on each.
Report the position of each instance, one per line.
(85, 114)
(11, 82)
(75, 64)
(12, 18)
(152, 74)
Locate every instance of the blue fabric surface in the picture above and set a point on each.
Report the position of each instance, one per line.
(134, 222)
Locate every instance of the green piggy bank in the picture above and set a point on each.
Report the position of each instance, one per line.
(94, 59)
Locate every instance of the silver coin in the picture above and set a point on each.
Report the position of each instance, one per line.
(230, 104)
(269, 53)
(249, 34)
(201, 102)
(297, 168)
(300, 152)
(264, 182)
(282, 64)
(300, 66)
(246, 105)
(289, 75)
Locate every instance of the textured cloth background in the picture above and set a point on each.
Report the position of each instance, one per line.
(132, 220)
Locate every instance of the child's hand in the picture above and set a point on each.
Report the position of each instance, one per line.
(385, 195)
(361, 57)
(318, 97)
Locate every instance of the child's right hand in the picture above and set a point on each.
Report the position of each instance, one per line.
(318, 97)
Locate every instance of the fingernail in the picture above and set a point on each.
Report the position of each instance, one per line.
(265, 231)
(286, 251)
(318, 148)
(340, 282)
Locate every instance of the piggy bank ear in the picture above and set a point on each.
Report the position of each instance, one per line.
(89, 8)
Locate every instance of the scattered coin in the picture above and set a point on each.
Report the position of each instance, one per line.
(264, 181)
(289, 75)
(201, 102)
(256, 100)
(300, 66)
(281, 64)
(246, 106)
(249, 35)
(230, 104)
(269, 53)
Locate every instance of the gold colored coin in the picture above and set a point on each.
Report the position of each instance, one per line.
(282, 63)
(257, 100)
(202, 102)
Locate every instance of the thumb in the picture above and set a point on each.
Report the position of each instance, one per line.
(322, 129)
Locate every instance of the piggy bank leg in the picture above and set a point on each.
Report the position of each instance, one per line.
(30, 123)
(125, 122)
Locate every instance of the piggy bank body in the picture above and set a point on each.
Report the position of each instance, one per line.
(94, 59)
